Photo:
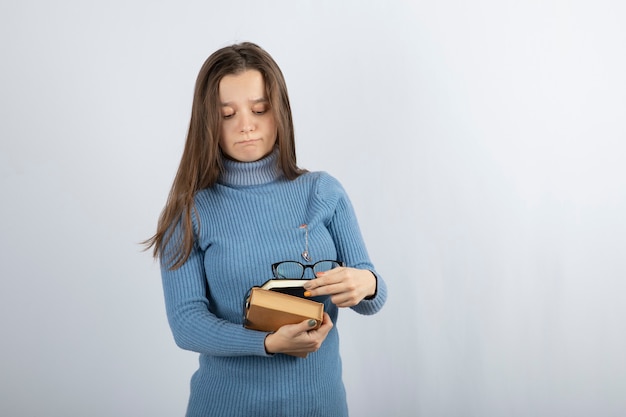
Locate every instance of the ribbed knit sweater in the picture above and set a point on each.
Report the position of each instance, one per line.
(247, 221)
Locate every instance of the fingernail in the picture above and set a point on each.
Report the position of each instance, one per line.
(307, 293)
(312, 323)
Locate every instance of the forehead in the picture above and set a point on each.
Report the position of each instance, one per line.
(242, 87)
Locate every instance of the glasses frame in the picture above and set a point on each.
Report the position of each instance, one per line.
(304, 267)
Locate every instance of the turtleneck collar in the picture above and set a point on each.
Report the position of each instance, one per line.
(243, 174)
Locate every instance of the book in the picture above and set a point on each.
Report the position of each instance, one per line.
(267, 310)
(289, 286)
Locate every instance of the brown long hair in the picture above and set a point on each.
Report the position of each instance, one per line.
(201, 162)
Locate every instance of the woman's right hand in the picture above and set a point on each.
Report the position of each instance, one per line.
(298, 339)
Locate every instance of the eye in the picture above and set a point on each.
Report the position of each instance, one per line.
(260, 109)
(228, 112)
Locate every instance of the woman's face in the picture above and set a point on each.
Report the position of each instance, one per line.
(248, 124)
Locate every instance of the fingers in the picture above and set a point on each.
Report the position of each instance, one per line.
(307, 326)
(327, 323)
(326, 278)
(346, 286)
(296, 339)
(304, 326)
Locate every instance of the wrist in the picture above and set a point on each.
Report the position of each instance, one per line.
(270, 346)
(374, 288)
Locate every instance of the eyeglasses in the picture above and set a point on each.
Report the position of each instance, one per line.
(293, 269)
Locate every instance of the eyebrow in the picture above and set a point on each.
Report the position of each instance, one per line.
(253, 101)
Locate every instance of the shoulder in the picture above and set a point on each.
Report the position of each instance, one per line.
(325, 185)
(322, 180)
(205, 197)
(208, 204)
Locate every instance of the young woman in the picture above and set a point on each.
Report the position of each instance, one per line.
(240, 205)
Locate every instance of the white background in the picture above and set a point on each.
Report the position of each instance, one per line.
(482, 144)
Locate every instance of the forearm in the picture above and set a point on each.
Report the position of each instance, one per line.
(197, 330)
(193, 325)
(352, 251)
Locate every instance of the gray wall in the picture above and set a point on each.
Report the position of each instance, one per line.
(482, 144)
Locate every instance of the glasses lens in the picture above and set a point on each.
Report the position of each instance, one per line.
(323, 266)
(289, 270)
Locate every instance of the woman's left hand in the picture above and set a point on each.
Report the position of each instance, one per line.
(346, 286)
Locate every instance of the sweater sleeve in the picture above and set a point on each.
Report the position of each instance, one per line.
(351, 249)
(193, 326)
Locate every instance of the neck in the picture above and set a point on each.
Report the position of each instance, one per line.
(242, 174)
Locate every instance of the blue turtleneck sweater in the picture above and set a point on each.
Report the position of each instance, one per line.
(246, 222)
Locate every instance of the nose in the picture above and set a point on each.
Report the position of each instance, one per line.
(247, 124)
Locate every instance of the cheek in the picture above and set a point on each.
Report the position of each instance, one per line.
(223, 140)
(272, 127)
(225, 132)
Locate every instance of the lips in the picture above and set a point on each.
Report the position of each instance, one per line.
(248, 141)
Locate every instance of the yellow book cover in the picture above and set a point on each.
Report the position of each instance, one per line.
(268, 310)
